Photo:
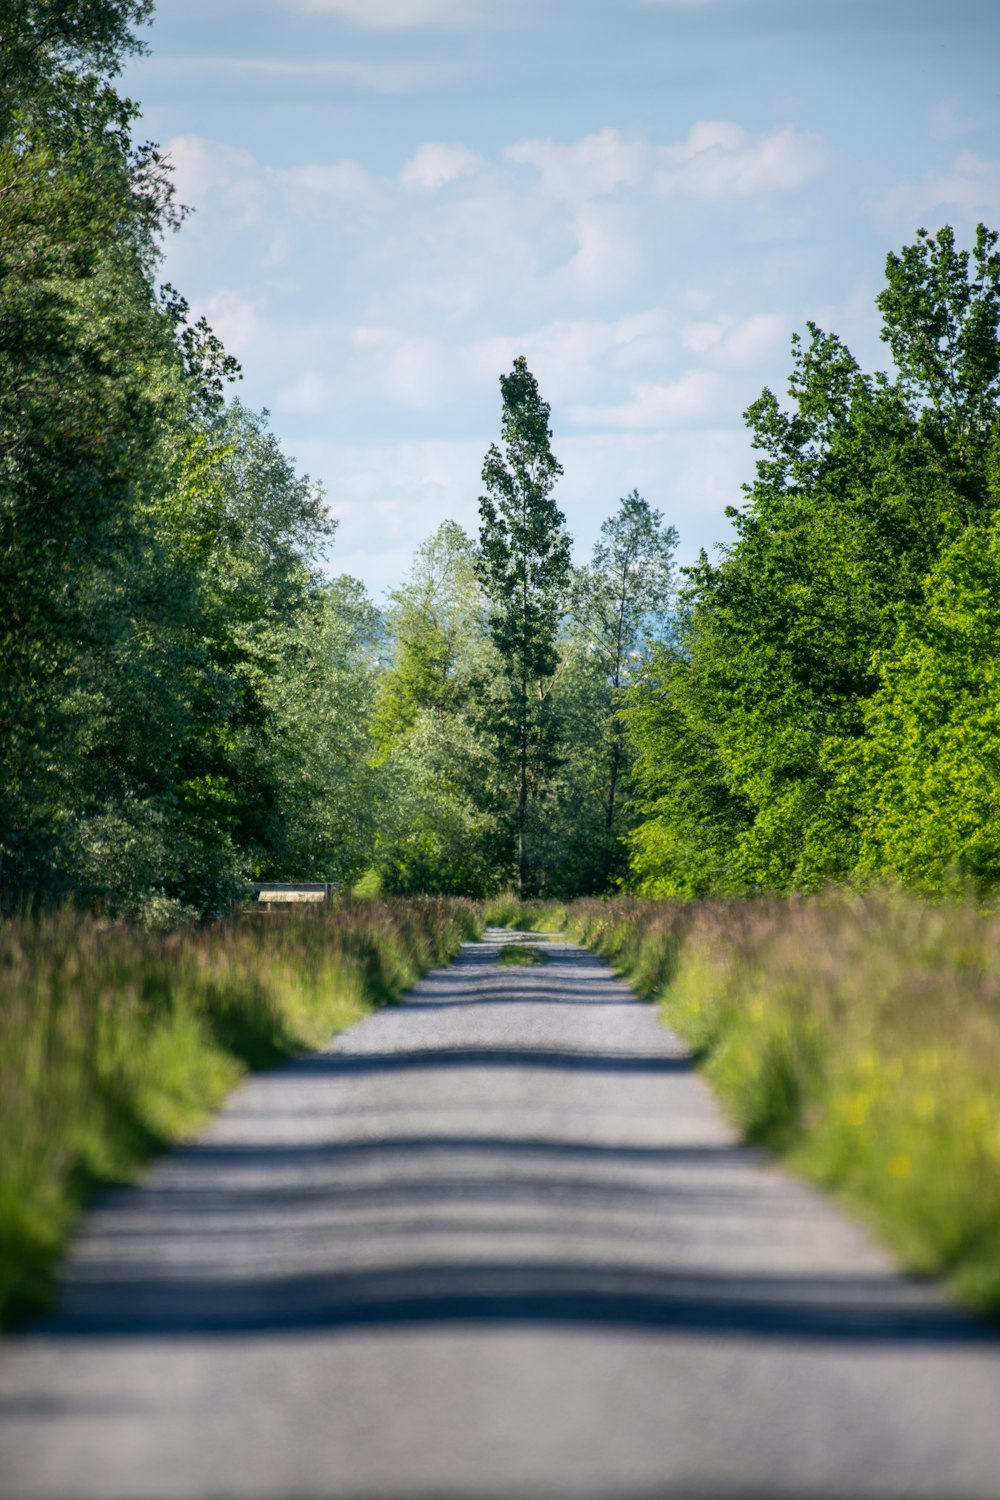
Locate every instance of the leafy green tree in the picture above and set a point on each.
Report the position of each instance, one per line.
(436, 621)
(621, 606)
(566, 818)
(252, 531)
(50, 49)
(941, 308)
(329, 793)
(90, 378)
(525, 571)
(926, 779)
(860, 489)
(685, 844)
(157, 551)
(438, 826)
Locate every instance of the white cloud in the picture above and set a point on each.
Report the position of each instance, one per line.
(606, 253)
(720, 159)
(237, 320)
(209, 173)
(336, 180)
(338, 193)
(574, 359)
(596, 165)
(687, 401)
(968, 188)
(382, 307)
(202, 167)
(388, 497)
(435, 164)
(416, 374)
(736, 343)
(307, 396)
(950, 118)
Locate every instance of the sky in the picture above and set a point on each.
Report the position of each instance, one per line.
(392, 199)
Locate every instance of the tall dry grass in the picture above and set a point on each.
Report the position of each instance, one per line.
(115, 1041)
(859, 1037)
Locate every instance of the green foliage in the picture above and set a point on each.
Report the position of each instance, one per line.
(320, 701)
(176, 678)
(437, 827)
(437, 625)
(445, 719)
(114, 1042)
(620, 609)
(50, 46)
(524, 916)
(687, 844)
(768, 754)
(933, 744)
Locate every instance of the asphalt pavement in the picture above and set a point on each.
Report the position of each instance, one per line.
(497, 1241)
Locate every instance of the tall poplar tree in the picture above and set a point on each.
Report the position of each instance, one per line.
(525, 570)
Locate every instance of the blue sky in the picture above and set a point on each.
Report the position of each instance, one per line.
(646, 197)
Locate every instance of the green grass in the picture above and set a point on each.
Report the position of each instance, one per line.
(115, 1041)
(520, 955)
(857, 1037)
(526, 916)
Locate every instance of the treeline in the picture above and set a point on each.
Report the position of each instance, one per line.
(830, 710)
(498, 718)
(188, 701)
(178, 683)
(816, 705)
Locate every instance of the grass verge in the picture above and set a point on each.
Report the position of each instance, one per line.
(525, 916)
(857, 1037)
(520, 956)
(115, 1041)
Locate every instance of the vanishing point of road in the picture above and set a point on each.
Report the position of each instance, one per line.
(496, 1243)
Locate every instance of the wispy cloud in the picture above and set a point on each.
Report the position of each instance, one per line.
(967, 189)
(950, 119)
(377, 77)
(720, 159)
(737, 343)
(693, 399)
(587, 169)
(391, 15)
(435, 164)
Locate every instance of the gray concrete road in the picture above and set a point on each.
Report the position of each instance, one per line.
(496, 1242)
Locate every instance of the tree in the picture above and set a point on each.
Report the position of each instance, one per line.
(861, 488)
(50, 49)
(436, 621)
(183, 702)
(525, 568)
(437, 829)
(329, 794)
(91, 377)
(620, 605)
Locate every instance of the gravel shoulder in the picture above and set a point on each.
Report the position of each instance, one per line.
(496, 1241)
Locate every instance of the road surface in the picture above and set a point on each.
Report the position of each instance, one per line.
(496, 1242)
